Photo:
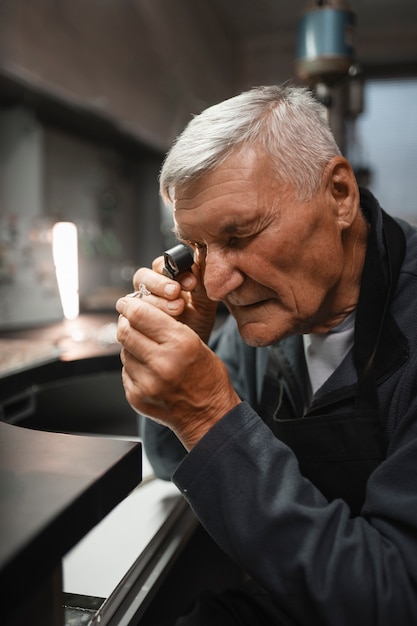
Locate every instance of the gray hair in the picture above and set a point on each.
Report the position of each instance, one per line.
(286, 122)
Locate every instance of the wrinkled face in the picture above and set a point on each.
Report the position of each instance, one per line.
(274, 261)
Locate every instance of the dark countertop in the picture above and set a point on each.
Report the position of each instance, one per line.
(77, 348)
(54, 488)
(89, 334)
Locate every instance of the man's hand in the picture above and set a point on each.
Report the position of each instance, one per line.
(169, 373)
(184, 298)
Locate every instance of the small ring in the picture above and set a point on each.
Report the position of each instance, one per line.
(142, 291)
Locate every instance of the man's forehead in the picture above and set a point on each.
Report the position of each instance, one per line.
(213, 190)
(242, 166)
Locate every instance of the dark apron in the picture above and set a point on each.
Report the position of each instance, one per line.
(339, 444)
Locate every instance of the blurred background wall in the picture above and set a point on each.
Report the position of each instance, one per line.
(93, 92)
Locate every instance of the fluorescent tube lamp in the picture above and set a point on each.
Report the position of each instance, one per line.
(65, 254)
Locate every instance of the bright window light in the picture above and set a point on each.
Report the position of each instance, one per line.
(65, 253)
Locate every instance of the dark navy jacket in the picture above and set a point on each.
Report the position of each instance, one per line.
(324, 565)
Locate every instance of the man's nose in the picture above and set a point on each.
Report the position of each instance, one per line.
(221, 277)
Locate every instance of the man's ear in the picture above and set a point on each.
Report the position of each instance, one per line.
(344, 190)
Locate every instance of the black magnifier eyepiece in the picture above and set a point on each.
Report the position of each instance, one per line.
(177, 259)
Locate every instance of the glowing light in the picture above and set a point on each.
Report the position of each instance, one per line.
(65, 254)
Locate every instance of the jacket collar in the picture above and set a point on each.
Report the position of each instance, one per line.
(393, 346)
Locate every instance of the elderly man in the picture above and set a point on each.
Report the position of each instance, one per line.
(292, 430)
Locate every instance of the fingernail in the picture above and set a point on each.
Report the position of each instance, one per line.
(173, 306)
(187, 282)
(120, 305)
(170, 289)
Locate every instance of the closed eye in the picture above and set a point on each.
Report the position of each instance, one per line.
(239, 242)
(196, 245)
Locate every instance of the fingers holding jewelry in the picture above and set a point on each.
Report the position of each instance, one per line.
(158, 290)
(141, 291)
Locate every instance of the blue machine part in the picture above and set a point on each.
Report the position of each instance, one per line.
(326, 32)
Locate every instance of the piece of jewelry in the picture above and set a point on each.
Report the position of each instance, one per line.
(142, 291)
